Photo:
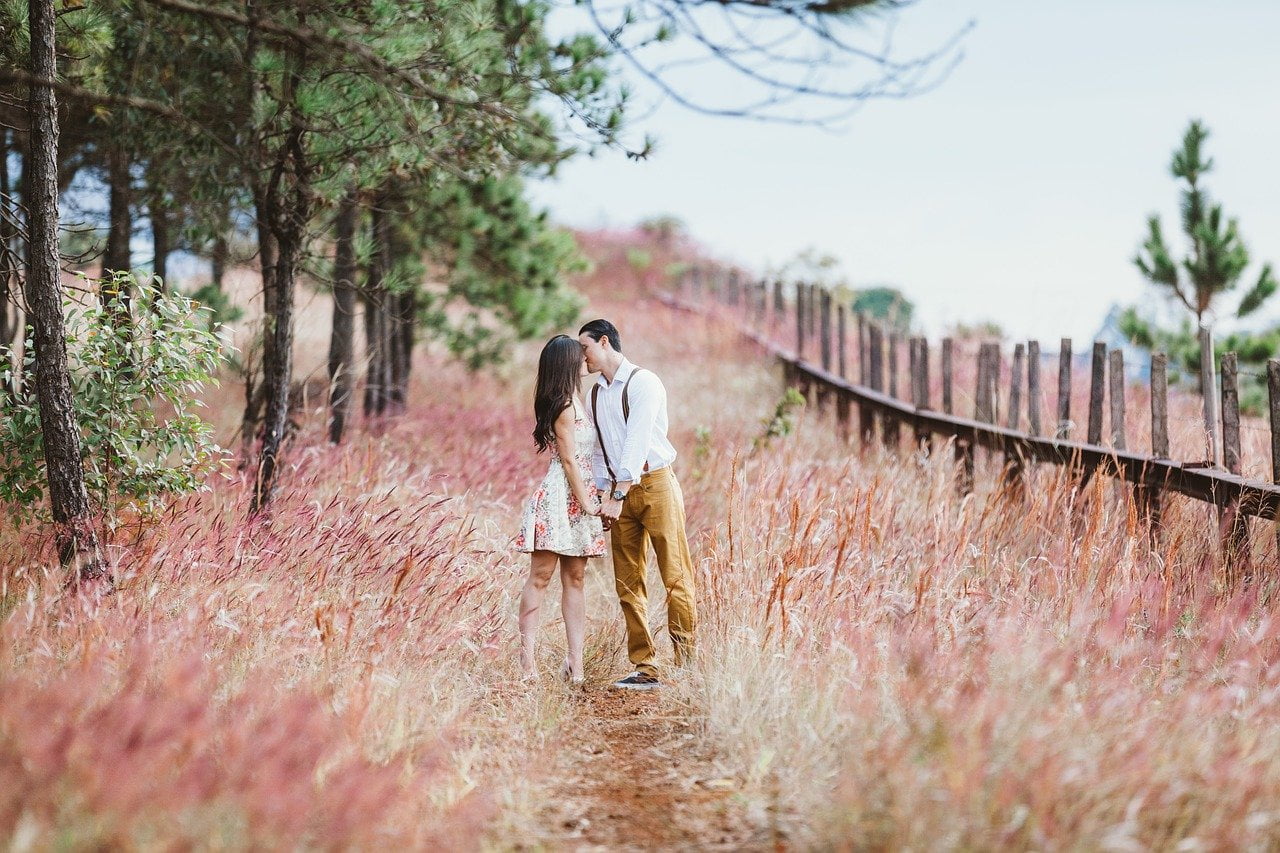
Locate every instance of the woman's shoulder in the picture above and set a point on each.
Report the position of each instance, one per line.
(573, 412)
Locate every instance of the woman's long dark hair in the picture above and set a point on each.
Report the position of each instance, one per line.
(559, 373)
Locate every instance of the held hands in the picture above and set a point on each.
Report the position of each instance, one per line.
(610, 510)
(596, 506)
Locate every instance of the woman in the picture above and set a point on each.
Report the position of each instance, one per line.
(561, 521)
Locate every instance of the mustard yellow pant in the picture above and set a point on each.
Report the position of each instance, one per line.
(653, 512)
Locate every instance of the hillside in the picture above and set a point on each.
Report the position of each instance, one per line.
(882, 664)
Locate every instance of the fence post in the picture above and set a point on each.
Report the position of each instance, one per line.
(1208, 395)
(843, 400)
(800, 321)
(1033, 388)
(1153, 497)
(924, 372)
(863, 373)
(1064, 390)
(948, 347)
(876, 356)
(1013, 458)
(1273, 399)
(1235, 522)
(811, 308)
(920, 386)
(840, 340)
(893, 365)
(890, 426)
(825, 331)
(1014, 420)
(779, 303)
(1097, 390)
(1116, 377)
(866, 422)
(983, 409)
(1160, 406)
(913, 370)
(1117, 399)
(824, 345)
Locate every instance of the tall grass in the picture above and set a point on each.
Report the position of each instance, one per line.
(892, 665)
(882, 663)
(333, 674)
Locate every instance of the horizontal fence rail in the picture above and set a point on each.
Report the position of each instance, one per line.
(760, 308)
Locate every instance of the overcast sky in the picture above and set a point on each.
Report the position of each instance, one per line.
(1017, 191)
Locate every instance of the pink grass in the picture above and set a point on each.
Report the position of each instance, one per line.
(883, 663)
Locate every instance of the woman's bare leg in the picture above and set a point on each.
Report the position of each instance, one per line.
(573, 606)
(542, 564)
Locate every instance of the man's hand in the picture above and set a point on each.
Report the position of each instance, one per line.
(610, 509)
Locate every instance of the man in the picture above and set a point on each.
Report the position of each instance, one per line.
(642, 501)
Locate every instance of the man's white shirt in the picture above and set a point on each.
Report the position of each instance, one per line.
(641, 438)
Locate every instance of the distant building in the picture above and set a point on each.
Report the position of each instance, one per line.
(1137, 360)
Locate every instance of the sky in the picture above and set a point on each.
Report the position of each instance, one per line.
(1016, 191)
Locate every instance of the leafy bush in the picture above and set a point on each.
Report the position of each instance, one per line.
(134, 385)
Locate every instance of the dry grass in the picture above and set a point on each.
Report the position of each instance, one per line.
(882, 663)
(895, 666)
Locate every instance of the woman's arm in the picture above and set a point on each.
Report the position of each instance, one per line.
(567, 447)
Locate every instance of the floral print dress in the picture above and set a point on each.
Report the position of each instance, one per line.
(553, 518)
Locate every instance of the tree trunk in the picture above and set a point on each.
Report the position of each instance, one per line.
(120, 228)
(220, 251)
(11, 324)
(287, 218)
(119, 222)
(403, 307)
(161, 248)
(77, 542)
(218, 259)
(161, 229)
(408, 310)
(253, 394)
(342, 341)
(277, 364)
(8, 313)
(372, 338)
(277, 347)
(377, 333)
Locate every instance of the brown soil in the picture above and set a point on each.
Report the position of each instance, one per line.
(629, 776)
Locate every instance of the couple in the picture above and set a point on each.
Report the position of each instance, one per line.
(610, 470)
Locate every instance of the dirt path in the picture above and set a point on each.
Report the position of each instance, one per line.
(629, 776)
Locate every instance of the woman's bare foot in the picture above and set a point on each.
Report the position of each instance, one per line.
(568, 674)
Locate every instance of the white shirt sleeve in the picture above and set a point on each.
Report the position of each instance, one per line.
(646, 396)
(599, 472)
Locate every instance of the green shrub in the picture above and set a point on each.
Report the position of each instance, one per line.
(135, 381)
(781, 422)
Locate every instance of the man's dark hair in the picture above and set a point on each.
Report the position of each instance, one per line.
(598, 329)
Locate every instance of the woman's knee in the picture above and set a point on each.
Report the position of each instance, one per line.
(573, 571)
(541, 568)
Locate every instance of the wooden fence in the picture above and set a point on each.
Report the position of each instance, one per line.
(822, 327)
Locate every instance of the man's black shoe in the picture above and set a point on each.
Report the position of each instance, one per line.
(638, 681)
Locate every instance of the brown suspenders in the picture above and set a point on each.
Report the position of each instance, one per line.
(626, 414)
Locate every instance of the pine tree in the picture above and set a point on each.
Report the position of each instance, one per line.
(1216, 257)
(1214, 265)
